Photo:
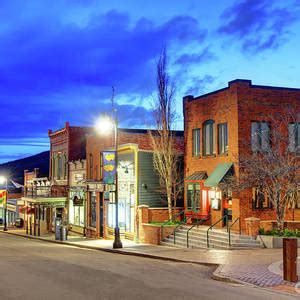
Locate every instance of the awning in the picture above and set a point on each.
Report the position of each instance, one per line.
(217, 175)
(201, 175)
(51, 201)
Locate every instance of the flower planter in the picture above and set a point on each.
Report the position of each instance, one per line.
(270, 241)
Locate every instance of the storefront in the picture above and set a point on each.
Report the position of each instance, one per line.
(77, 205)
(42, 213)
(203, 196)
(127, 193)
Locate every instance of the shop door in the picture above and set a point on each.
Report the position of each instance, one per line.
(101, 215)
(193, 197)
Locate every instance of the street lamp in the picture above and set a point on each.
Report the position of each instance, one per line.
(3, 180)
(104, 126)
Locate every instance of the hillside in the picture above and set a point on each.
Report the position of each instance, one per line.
(15, 169)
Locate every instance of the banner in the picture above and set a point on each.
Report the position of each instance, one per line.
(2, 197)
(109, 167)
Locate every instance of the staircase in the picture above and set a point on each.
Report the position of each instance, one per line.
(218, 239)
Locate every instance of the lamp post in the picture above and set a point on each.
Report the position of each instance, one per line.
(104, 126)
(3, 180)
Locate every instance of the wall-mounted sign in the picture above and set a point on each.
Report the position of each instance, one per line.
(215, 203)
(77, 201)
(109, 167)
(2, 197)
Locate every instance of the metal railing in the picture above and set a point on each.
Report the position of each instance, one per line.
(196, 224)
(211, 227)
(191, 216)
(229, 230)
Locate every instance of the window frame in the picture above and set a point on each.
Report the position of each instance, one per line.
(259, 137)
(211, 140)
(223, 138)
(196, 132)
(296, 147)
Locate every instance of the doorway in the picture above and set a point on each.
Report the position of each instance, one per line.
(101, 214)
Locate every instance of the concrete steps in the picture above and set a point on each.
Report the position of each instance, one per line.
(218, 239)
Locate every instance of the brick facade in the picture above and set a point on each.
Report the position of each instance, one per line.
(97, 144)
(237, 105)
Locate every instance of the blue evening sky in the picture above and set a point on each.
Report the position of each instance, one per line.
(59, 59)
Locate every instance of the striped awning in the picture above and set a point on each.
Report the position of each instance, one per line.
(200, 175)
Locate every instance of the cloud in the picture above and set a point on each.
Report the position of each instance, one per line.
(196, 58)
(199, 86)
(258, 24)
(55, 70)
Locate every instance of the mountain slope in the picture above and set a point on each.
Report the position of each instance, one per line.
(15, 169)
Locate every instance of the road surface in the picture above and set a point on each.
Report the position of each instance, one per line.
(32, 269)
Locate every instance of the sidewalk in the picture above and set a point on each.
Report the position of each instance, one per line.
(260, 267)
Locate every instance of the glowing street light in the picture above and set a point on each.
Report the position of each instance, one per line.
(105, 125)
(3, 180)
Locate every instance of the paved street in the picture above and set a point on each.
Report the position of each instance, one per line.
(64, 272)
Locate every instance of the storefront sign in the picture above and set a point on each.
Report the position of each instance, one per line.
(109, 167)
(2, 197)
(77, 201)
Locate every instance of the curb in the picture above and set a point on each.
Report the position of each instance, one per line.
(122, 252)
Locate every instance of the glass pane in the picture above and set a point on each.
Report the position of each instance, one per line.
(207, 139)
(254, 136)
(292, 138)
(265, 136)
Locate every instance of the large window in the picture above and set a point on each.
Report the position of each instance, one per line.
(294, 137)
(196, 142)
(222, 138)
(260, 199)
(92, 209)
(260, 136)
(193, 196)
(209, 138)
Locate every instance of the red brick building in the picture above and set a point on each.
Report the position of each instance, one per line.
(216, 127)
(138, 183)
(48, 197)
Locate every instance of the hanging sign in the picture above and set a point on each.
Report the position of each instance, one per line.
(2, 197)
(109, 167)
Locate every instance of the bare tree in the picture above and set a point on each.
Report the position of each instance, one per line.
(272, 166)
(165, 152)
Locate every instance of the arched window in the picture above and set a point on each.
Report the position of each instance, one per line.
(209, 144)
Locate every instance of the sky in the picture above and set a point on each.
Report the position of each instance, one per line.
(59, 59)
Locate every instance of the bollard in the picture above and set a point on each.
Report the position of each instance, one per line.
(290, 259)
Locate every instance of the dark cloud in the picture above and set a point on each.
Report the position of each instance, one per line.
(55, 71)
(196, 58)
(258, 24)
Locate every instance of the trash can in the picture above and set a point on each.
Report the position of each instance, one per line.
(63, 233)
(19, 223)
(57, 229)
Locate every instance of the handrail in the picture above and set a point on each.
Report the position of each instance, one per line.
(229, 236)
(196, 224)
(207, 233)
(174, 232)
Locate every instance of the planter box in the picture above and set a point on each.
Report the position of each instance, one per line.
(274, 241)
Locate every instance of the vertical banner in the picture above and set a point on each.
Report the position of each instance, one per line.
(2, 197)
(109, 167)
